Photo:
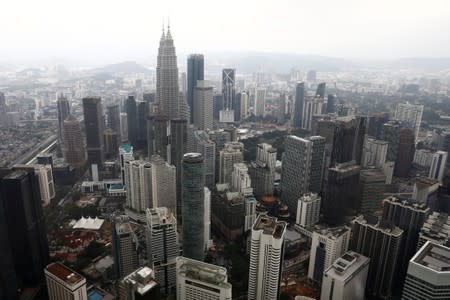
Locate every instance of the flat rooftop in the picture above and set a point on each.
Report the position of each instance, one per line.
(203, 272)
(64, 273)
(347, 265)
(270, 225)
(434, 257)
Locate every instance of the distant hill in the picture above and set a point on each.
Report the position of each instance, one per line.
(128, 67)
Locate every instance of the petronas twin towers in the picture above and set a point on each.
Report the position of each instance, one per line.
(170, 104)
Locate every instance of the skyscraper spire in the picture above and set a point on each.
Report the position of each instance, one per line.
(163, 36)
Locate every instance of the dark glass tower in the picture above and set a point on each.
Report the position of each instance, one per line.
(130, 106)
(228, 89)
(113, 117)
(23, 246)
(405, 156)
(320, 92)
(331, 103)
(94, 126)
(195, 71)
(193, 206)
(298, 107)
(141, 123)
(63, 112)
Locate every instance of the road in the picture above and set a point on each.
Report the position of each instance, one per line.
(32, 154)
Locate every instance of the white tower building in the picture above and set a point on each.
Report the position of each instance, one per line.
(438, 165)
(64, 284)
(308, 210)
(411, 114)
(260, 102)
(232, 153)
(163, 188)
(203, 103)
(240, 180)
(374, 153)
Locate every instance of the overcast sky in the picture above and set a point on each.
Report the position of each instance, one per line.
(113, 30)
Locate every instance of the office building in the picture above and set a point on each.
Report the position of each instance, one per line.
(438, 165)
(374, 153)
(203, 103)
(46, 183)
(111, 143)
(435, 229)
(260, 102)
(311, 106)
(311, 76)
(93, 126)
(24, 252)
(406, 147)
(167, 94)
(409, 217)
(244, 101)
(164, 193)
(124, 248)
(138, 182)
(424, 189)
(250, 212)
(320, 91)
(411, 115)
(64, 283)
(391, 134)
(348, 139)
(317, 163)
(308, 210)
(197, 280)
(162, 247)
(228, 95)
(207, 218)
(203, 144)
(232, 153)
(382, 244)
(341, 195)
(331, 104)
(428, 274)
(140, 284)
(141, 124)
(123, 127)
(376, 122)
(113, 117)
(193, 182)
(295, 174)
(125, 155)
(131, 110)
(372, 183)
(195, 72)
(266, 256)
(240, 180)
(262, 171)
(423, 157)
(73, 151)
(346, 278)
(220, 138)
(63, 107)
(326, 246)
(298, 105)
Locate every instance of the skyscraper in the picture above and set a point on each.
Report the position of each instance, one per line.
(163, 189)
(406, 147)
(93, 123)
(311, 106)
(125, 155)
(167, 96)
(298, 106)
(348, 141)
(438, 165)
(74, 151)
(391, 134)
(131, 109)
(411, 115)
(317, 163)
(203, 103)
(372, 186)
(320, 92)
(428, 274)
(228, 94)
(327, 245)
(262, 171)
(195, 72)
(113, 117)
(193, 182)
(162, 246)
(381, 243)
(206, 147)
(374, 153)
(295, 174)
(63, 112)
(331, 104)
(346, 278)
(232, 153)
(124, 248)
(197, 280)
(260, 102)
(308, 210)
(138, 180)
(141, 124)
(24, 248)
(240, 180)
(266, 257)
(64, 283)
(244, 106)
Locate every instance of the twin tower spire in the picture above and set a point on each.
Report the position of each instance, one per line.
(168, 35)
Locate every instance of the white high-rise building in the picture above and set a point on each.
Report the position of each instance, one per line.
(232, 153)
(295, 172)
(240, 180)
(260, 102)
(138, 180)
(423, 157)
(266, 257)
(327, 245)
(374, 153)
(164, 192)
(266, 155)
(428, 275)
(244, 106)
(250, 212)
(438, 165)
(162, 246)
(308, 210)
(64, 284)
(207, 218)
(203, 103)
(124, 127)
(197, 280)
(46, 183)
(311, 106)
(204, 145)
(411, 114)
(346, 278)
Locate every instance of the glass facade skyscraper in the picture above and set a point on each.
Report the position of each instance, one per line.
(195, 71)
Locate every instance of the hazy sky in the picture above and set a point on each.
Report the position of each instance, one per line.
(112, 30)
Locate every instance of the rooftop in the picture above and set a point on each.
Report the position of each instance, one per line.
(143, 280)
(203, 272)
(345, 266)
(89, 223)
(127, 148)
(434, 257)
(270, 225)
(64, 273)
